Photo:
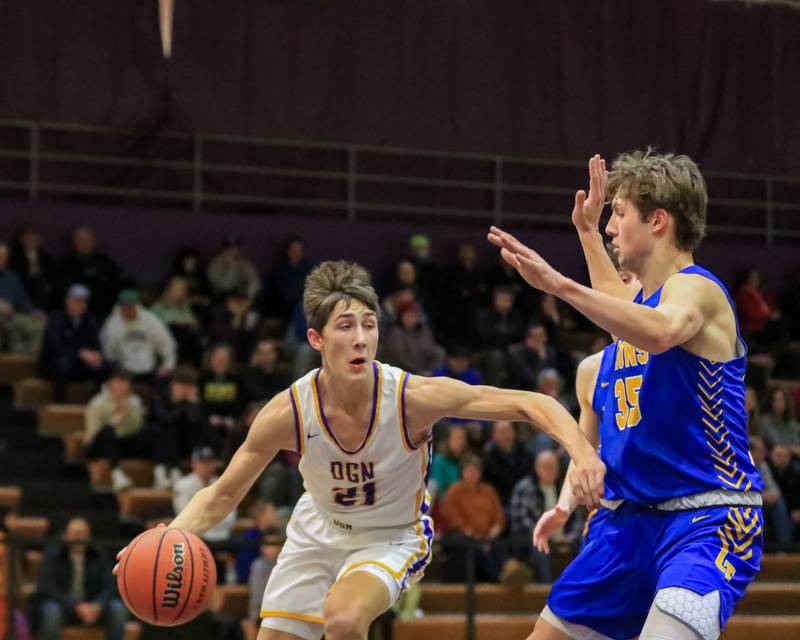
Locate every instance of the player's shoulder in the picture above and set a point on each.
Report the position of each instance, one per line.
(696, 288)
(591, 363)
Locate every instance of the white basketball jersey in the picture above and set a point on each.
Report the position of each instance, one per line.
(381, 483)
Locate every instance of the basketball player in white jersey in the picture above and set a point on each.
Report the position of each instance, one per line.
(361, 533)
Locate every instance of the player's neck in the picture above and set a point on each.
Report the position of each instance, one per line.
(344, 394)
(662, 263)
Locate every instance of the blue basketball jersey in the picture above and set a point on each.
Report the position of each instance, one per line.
(674, 424)
(603, 379)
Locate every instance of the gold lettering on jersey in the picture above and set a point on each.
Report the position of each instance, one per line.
(629, 356)
(355, 472)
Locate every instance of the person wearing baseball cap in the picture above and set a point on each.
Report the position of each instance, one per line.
(71, 350)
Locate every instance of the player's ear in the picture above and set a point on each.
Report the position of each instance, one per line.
(659, 220)
(314, 339)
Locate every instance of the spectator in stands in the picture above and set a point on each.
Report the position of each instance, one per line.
(775, 511)
(174, 309)
(221, 395)
(549, 383)
(410, 344)
(501, 326)
(21, 325)
(137, 340)
(557, 321)
(178, 426)
(34, 266)
(189, 266)
(778, 422)
(84, 263)
(71, 350)
(758, 314)
(266, 523)
(75, 586)
(466, 287)
(428, 274)
(446, 462)
(786, 471)
(502, 275)
(751, 406)
(533, 496)
(285, 281)
(260, 572)
(114, 427)
(456, 365)
(264, 377)
(230, 271)
(530, 357)
(474, 516)
(203, 474)
(235, 322)
(505, 461)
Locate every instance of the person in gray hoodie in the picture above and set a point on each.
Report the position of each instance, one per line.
(137, 340)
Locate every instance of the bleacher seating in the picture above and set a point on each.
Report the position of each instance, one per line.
(10, 496)
(16, 366)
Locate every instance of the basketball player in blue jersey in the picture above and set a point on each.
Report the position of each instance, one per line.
(683, 539)
(361, 533)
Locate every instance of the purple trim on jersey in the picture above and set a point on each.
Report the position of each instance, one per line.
(406, 437)
(296, 421)
(371, 425)
(428, 533)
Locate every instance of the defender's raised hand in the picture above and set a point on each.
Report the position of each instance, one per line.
(587, 210)
(530, 265)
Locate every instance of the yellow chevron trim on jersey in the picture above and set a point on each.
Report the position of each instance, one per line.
(708, 371)
(720, 441)
(722, 564)
(710, 385)
(731, 484)
(714, 417)
(725, 461)
(730, 473)
(711, 408)
(717, 451)
(705, 393)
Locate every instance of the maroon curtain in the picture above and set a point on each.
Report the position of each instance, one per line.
(554, 79)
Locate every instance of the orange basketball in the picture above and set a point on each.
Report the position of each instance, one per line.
(166, 576)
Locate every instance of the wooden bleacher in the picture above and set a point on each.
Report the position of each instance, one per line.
(770, 609)
(16, 366)
(10, 496)
(60, 419)
(145, 504)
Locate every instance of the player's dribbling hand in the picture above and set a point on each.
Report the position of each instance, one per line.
(586, 479)
(121, 552)
(587, 210)
(550, 522)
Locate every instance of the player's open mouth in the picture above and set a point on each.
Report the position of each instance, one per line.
(357, 363)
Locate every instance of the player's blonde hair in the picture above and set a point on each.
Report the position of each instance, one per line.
(670, 182)
(332, 282)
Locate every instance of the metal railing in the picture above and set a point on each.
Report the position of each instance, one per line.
(56, 161)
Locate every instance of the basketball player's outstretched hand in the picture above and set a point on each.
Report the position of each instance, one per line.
(586, 479)
(550, 522)
(121, 552)
(586, 214)
(530, 265)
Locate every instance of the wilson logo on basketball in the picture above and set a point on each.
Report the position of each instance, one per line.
(174, 578)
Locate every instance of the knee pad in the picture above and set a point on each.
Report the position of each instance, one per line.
(699, 613)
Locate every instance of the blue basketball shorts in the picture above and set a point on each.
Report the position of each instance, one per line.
(632, 552)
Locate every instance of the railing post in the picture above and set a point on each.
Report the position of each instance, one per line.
(197, 172)
(351, 183)
(33, 163)
(469, 595)
(498, 191)
(770, 231)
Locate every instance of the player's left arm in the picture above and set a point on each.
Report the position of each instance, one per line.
(681, 314)
(431, 399)
(678, 318)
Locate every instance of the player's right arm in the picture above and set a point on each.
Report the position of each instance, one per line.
(586, 218)
(272, 430)
(555, 518)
